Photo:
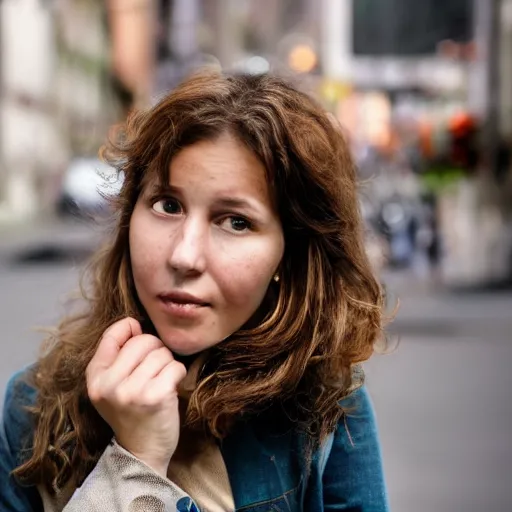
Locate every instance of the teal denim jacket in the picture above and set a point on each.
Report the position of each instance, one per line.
(268, 472)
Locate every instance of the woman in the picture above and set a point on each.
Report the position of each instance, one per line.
(215, 366)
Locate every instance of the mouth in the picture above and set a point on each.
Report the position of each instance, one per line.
(183, 300)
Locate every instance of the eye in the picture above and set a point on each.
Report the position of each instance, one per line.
(236, 223)
(168, 206)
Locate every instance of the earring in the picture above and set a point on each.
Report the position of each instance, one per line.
(276, 278)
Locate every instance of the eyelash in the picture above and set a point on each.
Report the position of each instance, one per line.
(158, 199)
(249, 226)
(233, 216)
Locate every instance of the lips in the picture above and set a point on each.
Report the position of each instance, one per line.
(183, 298)
(183, 306)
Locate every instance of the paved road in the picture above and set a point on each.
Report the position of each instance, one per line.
(442, 398)
(443, 402)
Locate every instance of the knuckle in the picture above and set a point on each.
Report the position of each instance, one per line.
(162, 354)
(152, 400)
(131, 343)
(167, 387)
(94, 394)
(123, 398)
(179, 369)
(153, 358)
(95, 390)
(152, 341)
(145, 342)
(93, 386)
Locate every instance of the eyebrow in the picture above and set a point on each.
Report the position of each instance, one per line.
(235, 202)
(222, 202)
(156, 187)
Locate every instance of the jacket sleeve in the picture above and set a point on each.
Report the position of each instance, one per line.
(353, 478)
(118, 483)
(15, 435)
(122, 483)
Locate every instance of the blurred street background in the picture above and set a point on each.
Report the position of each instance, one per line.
(424, 92)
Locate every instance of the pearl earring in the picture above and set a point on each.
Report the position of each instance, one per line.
(276, 278)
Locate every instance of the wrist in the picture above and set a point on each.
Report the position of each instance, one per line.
(159, 464)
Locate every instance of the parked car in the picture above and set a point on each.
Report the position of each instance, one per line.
(86, 185)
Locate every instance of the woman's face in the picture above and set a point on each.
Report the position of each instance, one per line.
(205, 249)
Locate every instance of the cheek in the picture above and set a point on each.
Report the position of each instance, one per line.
(145, 251)
(244, 286)
(245, 272)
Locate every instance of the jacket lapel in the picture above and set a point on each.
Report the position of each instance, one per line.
(263, 468)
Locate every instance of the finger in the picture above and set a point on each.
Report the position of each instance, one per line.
(150, 367)
(112, 341)
(131, 355)
(166, 383)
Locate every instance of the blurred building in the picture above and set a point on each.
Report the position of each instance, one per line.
(394, 75)
(420, 69)
(27, 130)
(56, 97)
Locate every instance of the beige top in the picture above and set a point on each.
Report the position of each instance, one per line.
(120, 482)
(197, 465)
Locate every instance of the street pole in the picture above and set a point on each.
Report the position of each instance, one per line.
(184, 29)
(484, 83)
(3, 178)
(506, 70)
(492, 131)
(337, 54)
(227, 34)
(479, 253)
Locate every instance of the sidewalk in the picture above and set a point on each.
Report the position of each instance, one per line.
(433, 311)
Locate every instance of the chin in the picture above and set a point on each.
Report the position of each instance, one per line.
(185, 344)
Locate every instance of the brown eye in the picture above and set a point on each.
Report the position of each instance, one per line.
(236, 223)
(168, 206)
(239, 224)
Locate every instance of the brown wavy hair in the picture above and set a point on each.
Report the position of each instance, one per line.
(327, 309)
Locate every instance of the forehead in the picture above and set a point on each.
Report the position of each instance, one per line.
(220, 164)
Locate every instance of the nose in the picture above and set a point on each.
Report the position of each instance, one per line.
(187, 256)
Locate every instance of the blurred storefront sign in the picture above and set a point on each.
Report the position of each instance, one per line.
(428, 72)
(334, 91)
(366, 115)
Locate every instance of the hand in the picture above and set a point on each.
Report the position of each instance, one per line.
(132, 381)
